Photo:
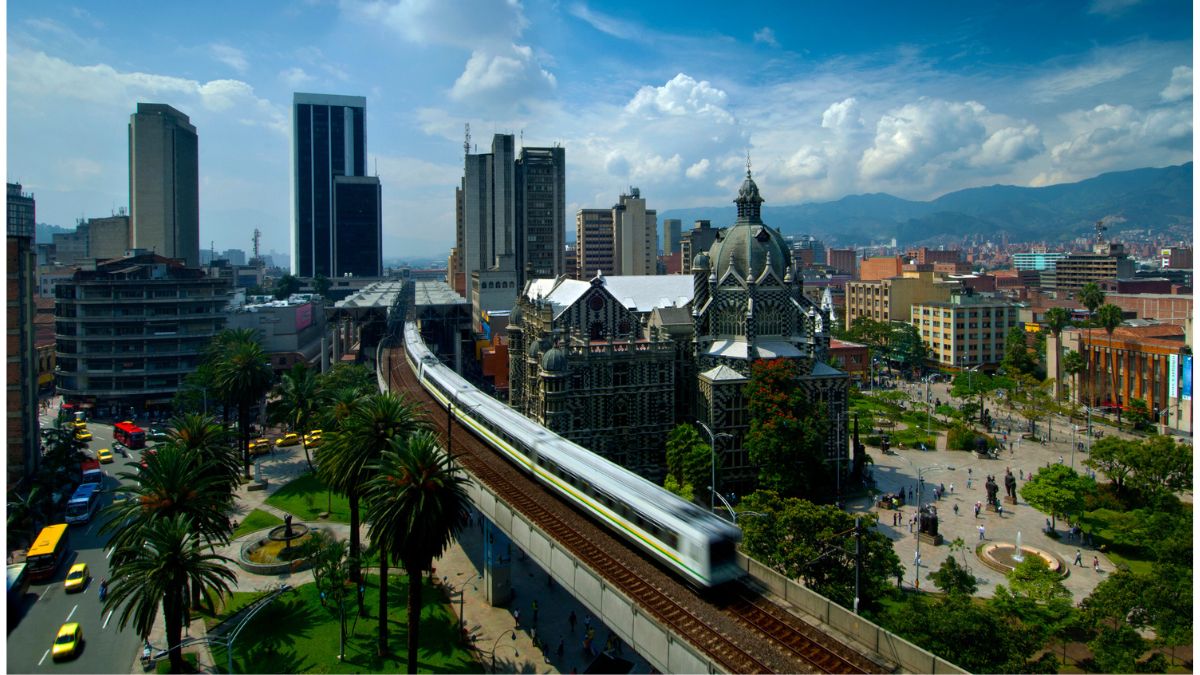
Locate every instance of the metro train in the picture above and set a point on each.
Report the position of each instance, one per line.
(679, 535)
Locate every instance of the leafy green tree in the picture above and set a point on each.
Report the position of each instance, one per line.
(787, 436)
(321, 285)
(243, 376)
(346, 459)
(973, 636)
(952, 578)
(1153, 467)
(680, 443)
(816, 543)
(875, 334)
(297, 403)
(158, 569)
(1090, 296)
(1037, 598)
(1033, 400)
(416, 504)
(1057, 490)
(1017, 357)
(285, 286)
(353, 376)
(1114, 456)
(1139, 414)
(907, 348)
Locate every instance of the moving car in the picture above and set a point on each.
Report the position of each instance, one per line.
(83, 435)
(290, 438)
(77, 578)
(68, 642)
(313, 438)
(104, 455)
(260, 446)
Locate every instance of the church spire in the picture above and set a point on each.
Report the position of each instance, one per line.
(749, 202)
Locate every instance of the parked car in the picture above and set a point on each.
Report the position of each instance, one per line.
(288, 439)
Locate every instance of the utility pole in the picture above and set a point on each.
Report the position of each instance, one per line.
(858, 563)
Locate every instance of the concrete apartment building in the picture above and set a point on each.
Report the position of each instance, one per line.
(94, 238)
(695, 241)
(541, 198)
(1107, 260)
(1036, 261)
(635, 235)
(21, 428)
(967, 330)
(164, 183)
(891, 299)
(594, 244)
(129, 330)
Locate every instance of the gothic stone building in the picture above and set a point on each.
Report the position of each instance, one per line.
(584, 363)
(614, 363)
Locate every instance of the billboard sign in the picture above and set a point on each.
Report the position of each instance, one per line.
(1187, 377)
(1173, 376)
(304, 316)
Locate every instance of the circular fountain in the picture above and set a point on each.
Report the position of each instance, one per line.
(277, 550)
(1004, 557)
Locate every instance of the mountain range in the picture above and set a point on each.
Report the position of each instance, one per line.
(1155, 199)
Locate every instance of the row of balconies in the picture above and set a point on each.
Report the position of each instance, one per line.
(150, 333)
(119, 316)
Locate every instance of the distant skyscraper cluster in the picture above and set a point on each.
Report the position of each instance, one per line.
(510, 211)
(337, 208)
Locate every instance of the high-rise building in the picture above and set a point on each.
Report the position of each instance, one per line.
(22, 424)
(844, 260)
(671, 231)
(164, 183)
(594, 246)
(540, 212)
(1035, 260)
(635, 240)
(1107, 260)
(357, 218)
(696, 241)
(329, 141)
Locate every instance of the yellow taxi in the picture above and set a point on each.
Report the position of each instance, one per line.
(287, 439)
(104, 455)
(68, 642)
(77, 578)
(79, 425)
(260, 446)
(83, 435)
(313, 438)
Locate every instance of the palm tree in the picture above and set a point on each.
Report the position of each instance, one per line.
(243, 376)
(160, 567)
(1109, 317)
(416, 503)
(1090, 296)
(172, 484)
(1057, 319)
(297, 404)
(1073, 364)
(207, 442)
(25, 512)
(346, 458)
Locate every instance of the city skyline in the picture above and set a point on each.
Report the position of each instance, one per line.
(916, 102)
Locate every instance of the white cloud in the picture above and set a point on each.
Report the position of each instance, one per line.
(842, 115)
(1070, 81)
(807, 162)
(618, 28)
(1111, 8)
(909, 137)
(766, 36)
(230, 56)
(657, 168)
(509, 76)
(682, 95)
(1009, 145)
(469, 24)
(698, 170)
(1180, 86)
(1108, 133)
(295, 77)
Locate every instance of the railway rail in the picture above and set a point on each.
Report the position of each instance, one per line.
(793, 647)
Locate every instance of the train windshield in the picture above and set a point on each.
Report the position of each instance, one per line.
(721, 551)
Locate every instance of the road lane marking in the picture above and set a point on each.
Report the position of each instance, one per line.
(44, 657)
(71, 614)
(106, 619)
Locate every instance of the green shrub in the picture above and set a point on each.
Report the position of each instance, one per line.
(962, 437)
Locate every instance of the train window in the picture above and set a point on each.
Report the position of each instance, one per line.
(671, 539)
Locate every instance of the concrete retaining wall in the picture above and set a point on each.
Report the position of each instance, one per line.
(667, 651)
(869, 637)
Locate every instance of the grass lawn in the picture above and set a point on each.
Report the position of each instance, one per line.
(306, 497)
(254, 521)
(163, 665)
(295, 634)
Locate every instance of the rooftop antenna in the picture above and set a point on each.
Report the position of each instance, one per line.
(257, 238)
(467, 139)
(522, 146)
(212, 250)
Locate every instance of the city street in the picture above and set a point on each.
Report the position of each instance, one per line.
(47, 606)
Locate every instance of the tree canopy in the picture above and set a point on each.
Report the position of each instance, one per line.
(787, 436)
(1058, 490)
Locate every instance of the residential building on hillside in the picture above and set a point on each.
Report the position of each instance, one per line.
(129, 330)
(21, 428)
(164, 183)
(967, 330)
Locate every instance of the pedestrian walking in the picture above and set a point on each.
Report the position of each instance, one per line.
(952, 488)
(1078, 558)
(999, 509)
(981, 533)
(956, 509)
(587, 623)
(517, 617)
(917, 558)
(1096, 563)
(571, 620)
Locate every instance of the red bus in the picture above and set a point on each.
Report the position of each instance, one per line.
(130, 435)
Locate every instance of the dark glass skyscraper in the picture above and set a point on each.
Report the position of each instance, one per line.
(330, 140)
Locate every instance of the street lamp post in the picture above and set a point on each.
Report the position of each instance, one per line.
(712, 444)
(496, 645)
(734, 514)
(462, 592)
(920, 484)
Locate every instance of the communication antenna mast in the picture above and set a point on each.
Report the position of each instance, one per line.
(467, 140)
(257, 237)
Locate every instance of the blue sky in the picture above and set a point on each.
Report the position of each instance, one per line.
(914, 99)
